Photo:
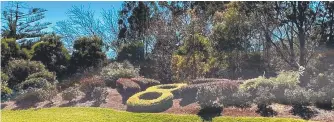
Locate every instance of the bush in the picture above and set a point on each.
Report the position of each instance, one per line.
(36, 83)
(174, 88)
(208, 97)
(5, 90)
(241, 99)
(87, 84)
(218, 95)
(49, 76)
(19, 70)
(52, 53)
(144, 83)
(87, 53)
(275, 85)
(112, 72)
(323, 97)
(99, 94)
(127, 88)
(70, 93)
(11, 50)
(150, 101)
(299, 96)
(263, 98)
(36, 94)
(189, 92)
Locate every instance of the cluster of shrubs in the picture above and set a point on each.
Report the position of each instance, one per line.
(34, 70)
(283, 89)
(31, 80)
(93, 87)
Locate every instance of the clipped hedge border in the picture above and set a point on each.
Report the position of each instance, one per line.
(137, 103)
(175, 88)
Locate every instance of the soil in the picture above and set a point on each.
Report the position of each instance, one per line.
(114, 101)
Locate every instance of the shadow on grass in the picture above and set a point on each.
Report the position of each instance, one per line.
(207, 114)
(303, 112)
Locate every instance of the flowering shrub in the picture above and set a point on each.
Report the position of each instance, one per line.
(87, 84)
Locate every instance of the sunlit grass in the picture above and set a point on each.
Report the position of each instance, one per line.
(81, 114)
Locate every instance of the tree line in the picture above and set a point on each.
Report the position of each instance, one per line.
(176, 40)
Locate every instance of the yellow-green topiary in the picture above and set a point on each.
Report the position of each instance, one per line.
(174, 88)
(150, 101)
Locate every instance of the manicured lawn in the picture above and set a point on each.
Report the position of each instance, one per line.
(81, 114)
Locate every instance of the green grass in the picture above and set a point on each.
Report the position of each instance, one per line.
(81, 114)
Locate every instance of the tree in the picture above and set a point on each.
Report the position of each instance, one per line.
(21, 21)
(11, 50)
(52, 53)
(87, 53)
(83, 22)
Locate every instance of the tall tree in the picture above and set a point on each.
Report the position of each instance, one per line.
(21, 21)
(83, 22)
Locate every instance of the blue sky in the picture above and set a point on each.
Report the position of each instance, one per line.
(57, 9)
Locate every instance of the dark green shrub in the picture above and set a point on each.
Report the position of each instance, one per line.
(87, 53)
(19, 70)
(144, 83)
(112, 72)
(150, 101)
(52, 53)
(133, 52)
(10, 50)
(127, 88)
(49, 76)
(35, 83)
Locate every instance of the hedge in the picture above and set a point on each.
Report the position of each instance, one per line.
(150, 101)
